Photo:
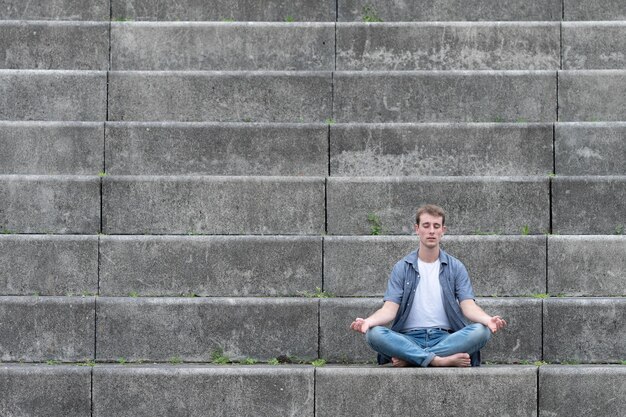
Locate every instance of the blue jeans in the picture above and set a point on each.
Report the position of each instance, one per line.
(420, 346)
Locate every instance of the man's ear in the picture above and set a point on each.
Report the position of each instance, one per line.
(444, 228)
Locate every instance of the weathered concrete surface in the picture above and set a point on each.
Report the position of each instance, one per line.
(474, 205)
(49, 204)
(588, 330)
(379, 392)
(52, 148)
(448, 10)
(54, 45)
(520, 341)
(590, 148)
(213, 205)
(241, 10)
(54, 10)
(448, 46)
(223, 46)
(218, 391)
(45, 391)
(445, 96)
(210, 266)
(589, 205)
(220, 96)
(159, 329)
(587, 265)
(592, 95)
(216, 149)
(594, 45)
(37, 329)
(497, 265)
(48, 265)
(582, 390)
(52, 95)
(480, 149)
(594, 10)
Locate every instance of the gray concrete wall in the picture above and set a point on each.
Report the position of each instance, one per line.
(216, 149)
(55, 10)
(596, 10)
(223, 46)
(48, 265)
(593, 45)
(210, 266)
(51, 148)
(212, 205)
(54, 45)
(591, 95)
(448, 46)
(192, 329)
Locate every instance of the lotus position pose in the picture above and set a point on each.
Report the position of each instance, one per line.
(430, 299)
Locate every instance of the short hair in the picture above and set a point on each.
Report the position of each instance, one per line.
(433, 210)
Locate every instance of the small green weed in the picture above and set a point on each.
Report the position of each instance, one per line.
(540, 363)
(330, 122)
(624, 362)
(524, 362)
(86, 293)
(540, 295)
(248, 361)
(122, 19)
(289, 19)
(7, 232)
(88, 362)
(619, 229)
(318, 294)
(370, 15)
(376, 226)
(520, 120)
(318, 362)
(133, 294)
(175, 360)
(218, 357)
(52, 362)
(102, 174)
(273, 361)
(551, 175)
(498, 119)
(190, 295)
(525, 230)
(121, 361)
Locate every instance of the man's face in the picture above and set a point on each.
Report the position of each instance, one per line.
(430, 230)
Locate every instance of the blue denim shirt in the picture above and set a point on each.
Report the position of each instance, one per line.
(455, 287)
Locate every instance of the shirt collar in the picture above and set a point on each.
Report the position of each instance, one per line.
(412, 257)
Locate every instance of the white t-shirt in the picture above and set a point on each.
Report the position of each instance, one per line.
(427, 309)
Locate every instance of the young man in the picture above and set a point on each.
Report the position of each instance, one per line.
(429, 298)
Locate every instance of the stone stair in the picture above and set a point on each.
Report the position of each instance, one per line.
(183, 184)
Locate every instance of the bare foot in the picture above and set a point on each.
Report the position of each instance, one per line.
(458, 360)
(399, 363)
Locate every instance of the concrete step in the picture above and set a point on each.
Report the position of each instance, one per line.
(590, 148)
(37, 329)
(587, 330)
(210, 265)
(587, 265)
(352, 391)
(54, 10)
(49, 204)
(194, 329)
(593, 45)
(212, 205)
(497, 265)
(458, 149)
(53, 95)
(577, 200)
(258, 96)
(222, 46)
(48, 264)
(597, 10)
(448, 46)
(592, 95)
(51, 148)
(54, 45)
(475, 205)
(444, 96)
(216, 149)
(447, 10)
(203, 391)
(582, 390)
(521, 341)
(239, 10)
(45, 391)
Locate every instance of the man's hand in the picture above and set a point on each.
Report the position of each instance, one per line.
(360, 325)
(496, 323)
